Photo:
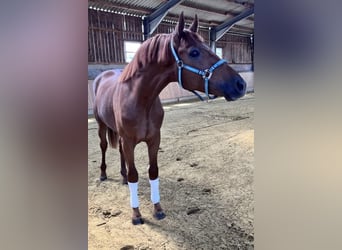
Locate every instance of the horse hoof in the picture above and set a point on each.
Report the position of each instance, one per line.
(103, 178)
(137, 221)
(159, 215)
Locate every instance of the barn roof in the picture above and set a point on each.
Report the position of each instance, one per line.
(237, 14)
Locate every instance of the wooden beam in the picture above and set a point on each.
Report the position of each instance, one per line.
(152, 21)
(217, 32)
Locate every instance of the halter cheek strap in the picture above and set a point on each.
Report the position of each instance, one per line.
(206, 74)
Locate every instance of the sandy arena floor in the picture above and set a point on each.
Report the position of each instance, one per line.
(206, 182)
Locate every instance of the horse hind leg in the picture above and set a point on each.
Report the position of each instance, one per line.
(103, 145)
(123, 164)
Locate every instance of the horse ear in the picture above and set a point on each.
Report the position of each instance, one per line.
(180, 25)
(194, 25)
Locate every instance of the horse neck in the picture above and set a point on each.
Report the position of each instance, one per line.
(152, 81)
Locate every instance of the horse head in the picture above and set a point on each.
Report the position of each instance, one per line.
(199, 68)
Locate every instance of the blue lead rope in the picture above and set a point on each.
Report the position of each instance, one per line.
(206, 74)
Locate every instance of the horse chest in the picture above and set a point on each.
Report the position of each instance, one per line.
(139, 126)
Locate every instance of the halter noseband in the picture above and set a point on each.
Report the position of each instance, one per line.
(206, 74)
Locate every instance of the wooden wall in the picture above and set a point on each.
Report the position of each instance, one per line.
(108, 31)
(236, 49)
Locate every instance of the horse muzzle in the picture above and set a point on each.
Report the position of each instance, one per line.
(235, 89)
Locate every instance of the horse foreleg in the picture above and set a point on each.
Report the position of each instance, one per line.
(132, 179)
(123, 164)
(103, 144)
(153, 147)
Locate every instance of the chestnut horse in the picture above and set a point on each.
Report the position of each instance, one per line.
(128, 108)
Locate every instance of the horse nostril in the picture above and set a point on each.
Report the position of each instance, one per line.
(240, 86)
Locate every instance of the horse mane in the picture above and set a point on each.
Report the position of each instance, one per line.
(154, 50)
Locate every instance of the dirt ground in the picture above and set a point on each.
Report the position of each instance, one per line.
(206, 182)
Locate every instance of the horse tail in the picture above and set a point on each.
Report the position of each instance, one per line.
(112, 137)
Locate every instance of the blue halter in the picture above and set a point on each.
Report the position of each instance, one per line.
(206, 74)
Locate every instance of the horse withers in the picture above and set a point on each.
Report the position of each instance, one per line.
(128, 110)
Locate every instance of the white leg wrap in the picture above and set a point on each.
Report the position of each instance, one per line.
(133, 189)
(155, 198)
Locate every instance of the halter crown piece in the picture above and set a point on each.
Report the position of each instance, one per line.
(206, 74)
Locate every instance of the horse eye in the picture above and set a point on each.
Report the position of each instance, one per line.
(194, 53)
